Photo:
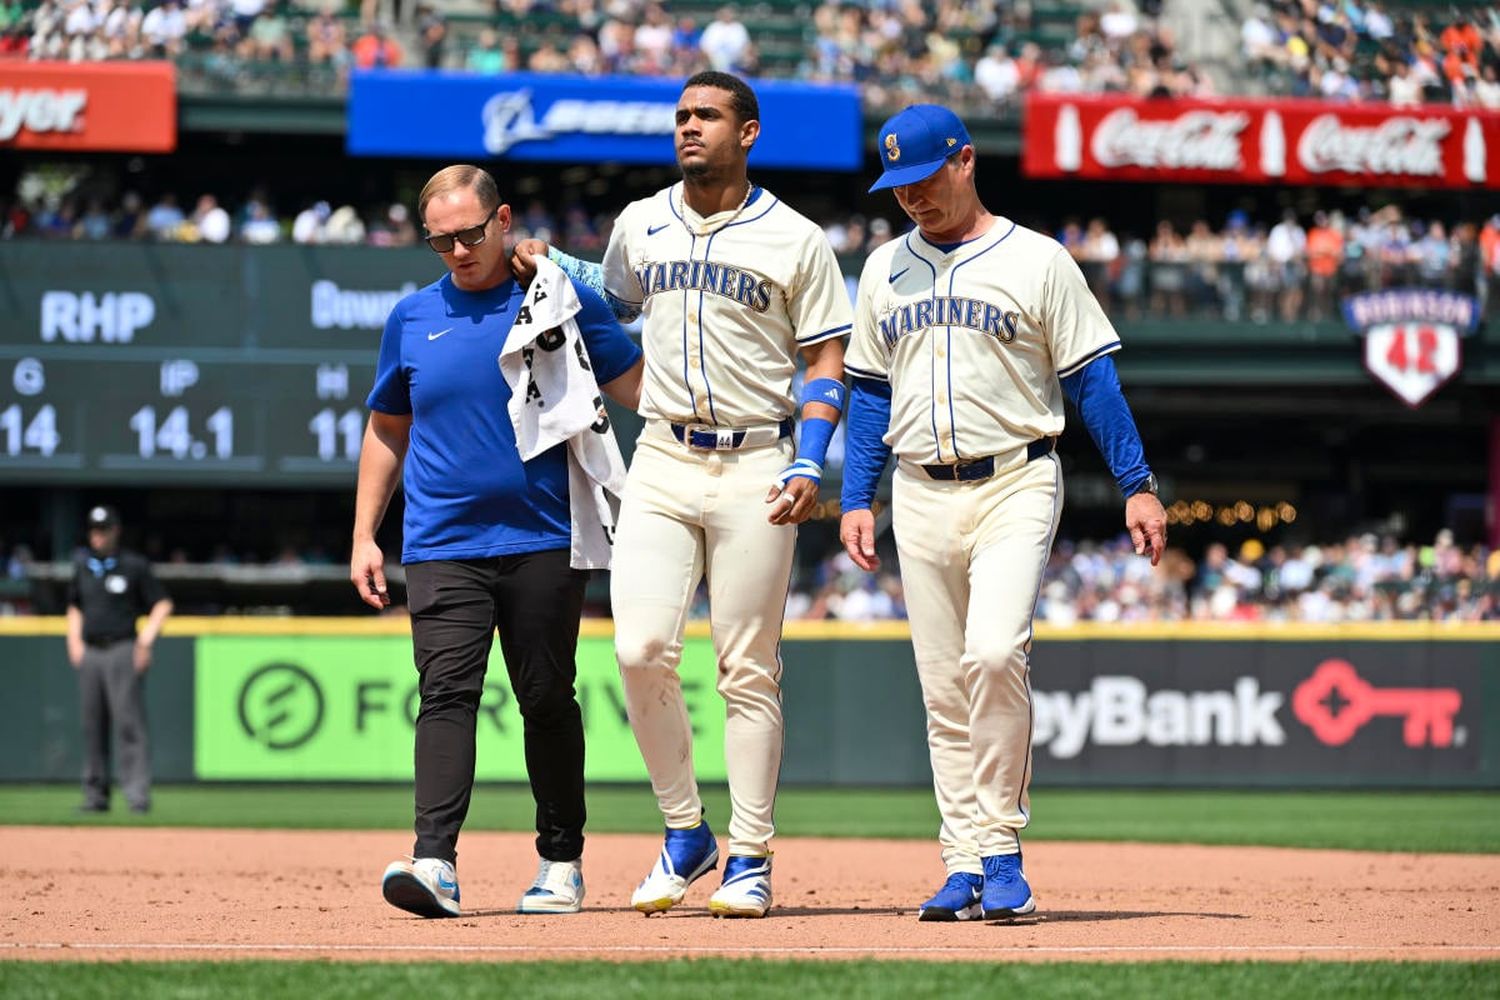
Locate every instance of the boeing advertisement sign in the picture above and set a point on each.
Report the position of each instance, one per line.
(578, 119)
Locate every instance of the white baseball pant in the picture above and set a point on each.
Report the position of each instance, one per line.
(685, 514)
(972, 557)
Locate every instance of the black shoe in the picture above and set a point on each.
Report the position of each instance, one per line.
(92, 807)
(140, 808)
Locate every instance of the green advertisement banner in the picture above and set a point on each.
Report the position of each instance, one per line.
(336, 708)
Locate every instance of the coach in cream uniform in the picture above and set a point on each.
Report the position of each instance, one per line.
(967, 334)
(733, 284)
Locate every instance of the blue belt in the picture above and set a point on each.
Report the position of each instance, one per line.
(984, 468)
(714, 439)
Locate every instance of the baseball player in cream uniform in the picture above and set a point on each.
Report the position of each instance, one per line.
(733, 285)
(967, 334)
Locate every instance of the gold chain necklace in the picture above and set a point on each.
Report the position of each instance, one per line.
(682, 210)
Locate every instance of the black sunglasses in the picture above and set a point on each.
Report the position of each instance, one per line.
(471, 237)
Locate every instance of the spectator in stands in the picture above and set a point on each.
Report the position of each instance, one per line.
(270, 37)
(1325, 252)
(653, 42)
(1286, 250)
(432, 33)
(326, 41)
(95, 223)
(548, 59)
(309, 226)
(1168, 271)
(1487, 88)
(129, 223)
(210, 223)
(487, 56)
(725, 42)
(163, 30)
(395, 230)
(260, 225)
(997, 75)
(344, 226)
(376, 49)
(164, 218)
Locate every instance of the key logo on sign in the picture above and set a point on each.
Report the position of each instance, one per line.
(1335, 702)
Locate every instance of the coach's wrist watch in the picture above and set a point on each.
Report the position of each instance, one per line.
(1150, 485)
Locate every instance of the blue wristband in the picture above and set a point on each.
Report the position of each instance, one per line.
(813, 444)
(828, 391)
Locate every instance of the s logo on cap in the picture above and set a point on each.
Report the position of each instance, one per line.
(892, 151)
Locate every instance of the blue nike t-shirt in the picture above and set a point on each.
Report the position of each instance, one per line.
(468, 494)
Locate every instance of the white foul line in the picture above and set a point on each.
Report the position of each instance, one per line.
(757, 951)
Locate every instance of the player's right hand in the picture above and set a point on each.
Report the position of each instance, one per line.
(367, 573)
(523, 259)
(857, 532)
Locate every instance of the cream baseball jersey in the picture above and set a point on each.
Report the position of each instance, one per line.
(974, 340)
(728, 300)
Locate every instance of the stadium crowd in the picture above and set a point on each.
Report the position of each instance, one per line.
(1353, 50)
(1363, 578)
(985, 53)
(1262, 270)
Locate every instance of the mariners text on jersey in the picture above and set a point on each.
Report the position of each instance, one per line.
(949, 310)
(743, 286)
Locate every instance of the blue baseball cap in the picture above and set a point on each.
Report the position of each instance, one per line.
(915, 142)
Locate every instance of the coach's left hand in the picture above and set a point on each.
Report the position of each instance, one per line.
(1147, 522)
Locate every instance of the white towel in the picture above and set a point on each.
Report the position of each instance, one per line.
(554, 398)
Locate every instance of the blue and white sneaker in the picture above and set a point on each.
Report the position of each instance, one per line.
(1006, 892)
(686, 856)
(558, 888)
(958, 899)
(746, 891)
(427, 887)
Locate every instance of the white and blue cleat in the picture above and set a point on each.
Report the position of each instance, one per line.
(686, 856)
(1006, 892)
(558, 888)
(746, 891)
(427, 887)
(958, 899)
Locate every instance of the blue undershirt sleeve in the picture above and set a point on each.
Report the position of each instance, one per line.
(865, 450)
(591, 275)
(1095, 390)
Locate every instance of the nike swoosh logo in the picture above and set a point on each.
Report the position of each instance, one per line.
(435, 336)
(653, 230)
(899, 274)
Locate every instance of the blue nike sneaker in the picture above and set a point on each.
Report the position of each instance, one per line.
(958, 899)
(686, 856)
(1006, 892)
(427, 887)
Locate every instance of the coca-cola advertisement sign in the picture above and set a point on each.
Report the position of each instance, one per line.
(1259, 142)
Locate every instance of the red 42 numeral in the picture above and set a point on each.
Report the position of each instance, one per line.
(1401, 359)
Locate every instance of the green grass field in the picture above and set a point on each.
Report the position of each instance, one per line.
(1398, 821)
(730, 980)
(1466, 822)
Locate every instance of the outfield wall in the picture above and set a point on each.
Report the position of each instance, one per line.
(1402, 704)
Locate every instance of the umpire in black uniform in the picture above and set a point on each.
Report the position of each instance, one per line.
(109, 590)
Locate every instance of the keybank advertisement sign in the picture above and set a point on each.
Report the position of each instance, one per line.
(577, 119)
(1241, 711)
(342, 709)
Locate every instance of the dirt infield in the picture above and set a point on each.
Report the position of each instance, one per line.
(176, 894)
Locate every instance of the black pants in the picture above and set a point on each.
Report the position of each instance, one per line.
(535, 601)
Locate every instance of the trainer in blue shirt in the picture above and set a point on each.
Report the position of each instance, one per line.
(486, 542)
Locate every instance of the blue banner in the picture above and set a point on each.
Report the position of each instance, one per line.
(578, 119)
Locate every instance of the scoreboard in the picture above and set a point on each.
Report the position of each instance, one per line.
(167, 364)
